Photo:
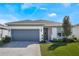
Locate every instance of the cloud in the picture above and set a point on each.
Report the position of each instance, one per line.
(26, 5)
(43, 8)
(66, 4)
(7, 18)
(52, 14)
(2, 21)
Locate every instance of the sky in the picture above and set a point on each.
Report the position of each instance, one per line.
(39, 11)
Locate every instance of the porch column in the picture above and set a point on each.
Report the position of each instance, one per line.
(41, 34)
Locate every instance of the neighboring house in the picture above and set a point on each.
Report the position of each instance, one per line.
(34, 30)
(3, 31)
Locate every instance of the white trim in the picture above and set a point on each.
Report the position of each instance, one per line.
(25, 27)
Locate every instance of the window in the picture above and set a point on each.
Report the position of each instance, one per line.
(59, 34)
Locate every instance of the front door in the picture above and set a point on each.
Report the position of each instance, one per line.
(46, 33)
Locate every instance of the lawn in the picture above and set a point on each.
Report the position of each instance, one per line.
(60, 49)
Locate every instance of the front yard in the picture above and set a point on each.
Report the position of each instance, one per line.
(60, 49)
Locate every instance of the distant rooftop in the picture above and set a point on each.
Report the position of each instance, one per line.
(76, 25)
(2, 26)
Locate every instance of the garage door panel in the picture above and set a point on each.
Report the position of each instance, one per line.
(29, 34)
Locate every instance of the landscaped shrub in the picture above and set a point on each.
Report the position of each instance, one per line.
(43, 41)
(6, 39)
(2, 39)
(64, 40)
(67, 40)
(72, 39)
(1, 43)
(55, 40)
(51, 41)
(60, 40)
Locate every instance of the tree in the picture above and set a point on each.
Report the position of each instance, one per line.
(66, 26)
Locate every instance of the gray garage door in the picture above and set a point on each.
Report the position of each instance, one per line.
(27, 34)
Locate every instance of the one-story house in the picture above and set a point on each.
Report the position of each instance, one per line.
(34, 30)
(3, 31)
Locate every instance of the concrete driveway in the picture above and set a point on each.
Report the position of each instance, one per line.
(20, 48)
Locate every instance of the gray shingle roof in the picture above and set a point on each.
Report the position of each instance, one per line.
(35, 22)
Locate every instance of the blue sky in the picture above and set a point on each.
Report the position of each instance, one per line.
(36, 11)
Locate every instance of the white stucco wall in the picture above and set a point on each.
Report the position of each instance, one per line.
(0, 32)
(28, 27)
(49, 33)
(75, 31)
(54, 33)
(3, 32)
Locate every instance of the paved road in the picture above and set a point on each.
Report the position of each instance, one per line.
(20, 48)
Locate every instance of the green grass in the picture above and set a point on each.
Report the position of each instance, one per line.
(60, 49)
